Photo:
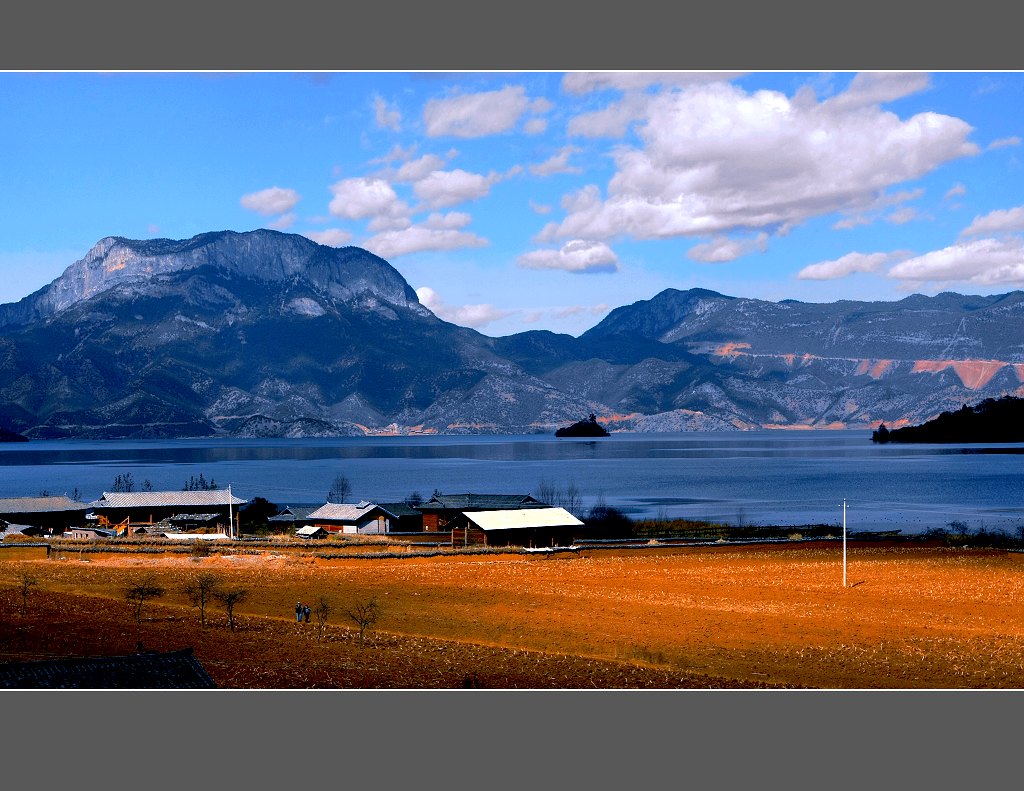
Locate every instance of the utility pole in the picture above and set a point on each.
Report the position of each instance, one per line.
(844, 542)
(231, 523)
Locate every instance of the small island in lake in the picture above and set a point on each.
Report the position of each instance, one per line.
(584, 428)
(993, 420)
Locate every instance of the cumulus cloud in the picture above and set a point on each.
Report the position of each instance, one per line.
(535, 126)
(1004, 142)
(422, 238)
(847, 265)
(956, 191)
(578, 255)
(540, 208)
(282, 222)
(273, 200)
(416, 169)
(610, 121)
(465, 315)
(999, 221)
(332, 237)
(388, 116)
(441, 188)
(362, 197)
(722, 249)
(979, 262)
(902, 216)
(588, 81)
(872, 88)
(559, 163)
(716, 159)
(476, 114)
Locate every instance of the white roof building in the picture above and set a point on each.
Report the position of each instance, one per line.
(522, 518)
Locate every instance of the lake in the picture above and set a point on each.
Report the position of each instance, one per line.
(744, 477)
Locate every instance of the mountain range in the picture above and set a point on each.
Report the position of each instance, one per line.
(271, 334)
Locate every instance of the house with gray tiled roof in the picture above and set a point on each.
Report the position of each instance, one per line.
(361, 517)
(56, 513)
(127, 509)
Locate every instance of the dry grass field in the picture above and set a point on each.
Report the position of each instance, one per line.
(733, 617)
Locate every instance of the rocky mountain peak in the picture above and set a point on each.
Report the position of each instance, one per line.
(340, 274)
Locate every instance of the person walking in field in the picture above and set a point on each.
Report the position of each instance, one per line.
(298, 612)
(306, 611)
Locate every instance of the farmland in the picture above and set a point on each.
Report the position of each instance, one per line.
(699, 617)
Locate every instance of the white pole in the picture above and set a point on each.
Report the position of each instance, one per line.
(231, 523)
(844, 542)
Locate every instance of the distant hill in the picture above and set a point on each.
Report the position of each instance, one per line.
(269, 334)
(993, 420)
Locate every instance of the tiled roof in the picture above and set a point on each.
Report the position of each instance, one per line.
(481, 502)
(523, 517)
(193, 517)
(342, 512)
(201, 498)
(35, 505)
(398, 509)
(295, 513)
(171, 670)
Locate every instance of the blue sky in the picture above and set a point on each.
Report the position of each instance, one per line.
(537, 200)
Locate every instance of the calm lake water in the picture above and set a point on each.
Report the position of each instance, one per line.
(759, 477)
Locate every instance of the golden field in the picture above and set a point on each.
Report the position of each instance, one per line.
(733, 617)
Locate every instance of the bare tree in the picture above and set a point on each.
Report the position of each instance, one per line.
(123, 483)
(365, 615)
(323, 611)
(230, 598)
(573, 499)
(25, 581)
(200, 591)
(146, 588)
(340, 490)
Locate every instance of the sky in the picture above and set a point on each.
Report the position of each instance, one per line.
(532, 200)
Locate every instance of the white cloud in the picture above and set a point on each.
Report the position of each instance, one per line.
(847, 265)
(588, 81)
(1004, 142)
(902, 216)
(421, 238)
(476, 114)
(873, 88)
(388, 116)
(979, 262)
(282, 222)
(540, 208)
(453, 219)
(722, 249)
(442, 188)
(999, 221)
(578, 256)
(559, 163)
(610, 121)
(273, 200)
(416, 169)
(717, 159)
(359, 198)
(332, 237)
(535, 126)
(956, 191)
(465, 315)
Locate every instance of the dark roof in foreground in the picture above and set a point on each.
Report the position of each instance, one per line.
(149, 670)
(488, 502)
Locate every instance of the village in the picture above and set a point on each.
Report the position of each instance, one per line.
(457, 520)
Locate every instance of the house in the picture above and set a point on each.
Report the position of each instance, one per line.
(311, 531)
(361, 517)
(402, 518)
(447, 511)
(150, 670)
(185, 522)
(89, 533)
(11, 529)
(291, 516)
(53, 514)
(128, 510)
(526, 527)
